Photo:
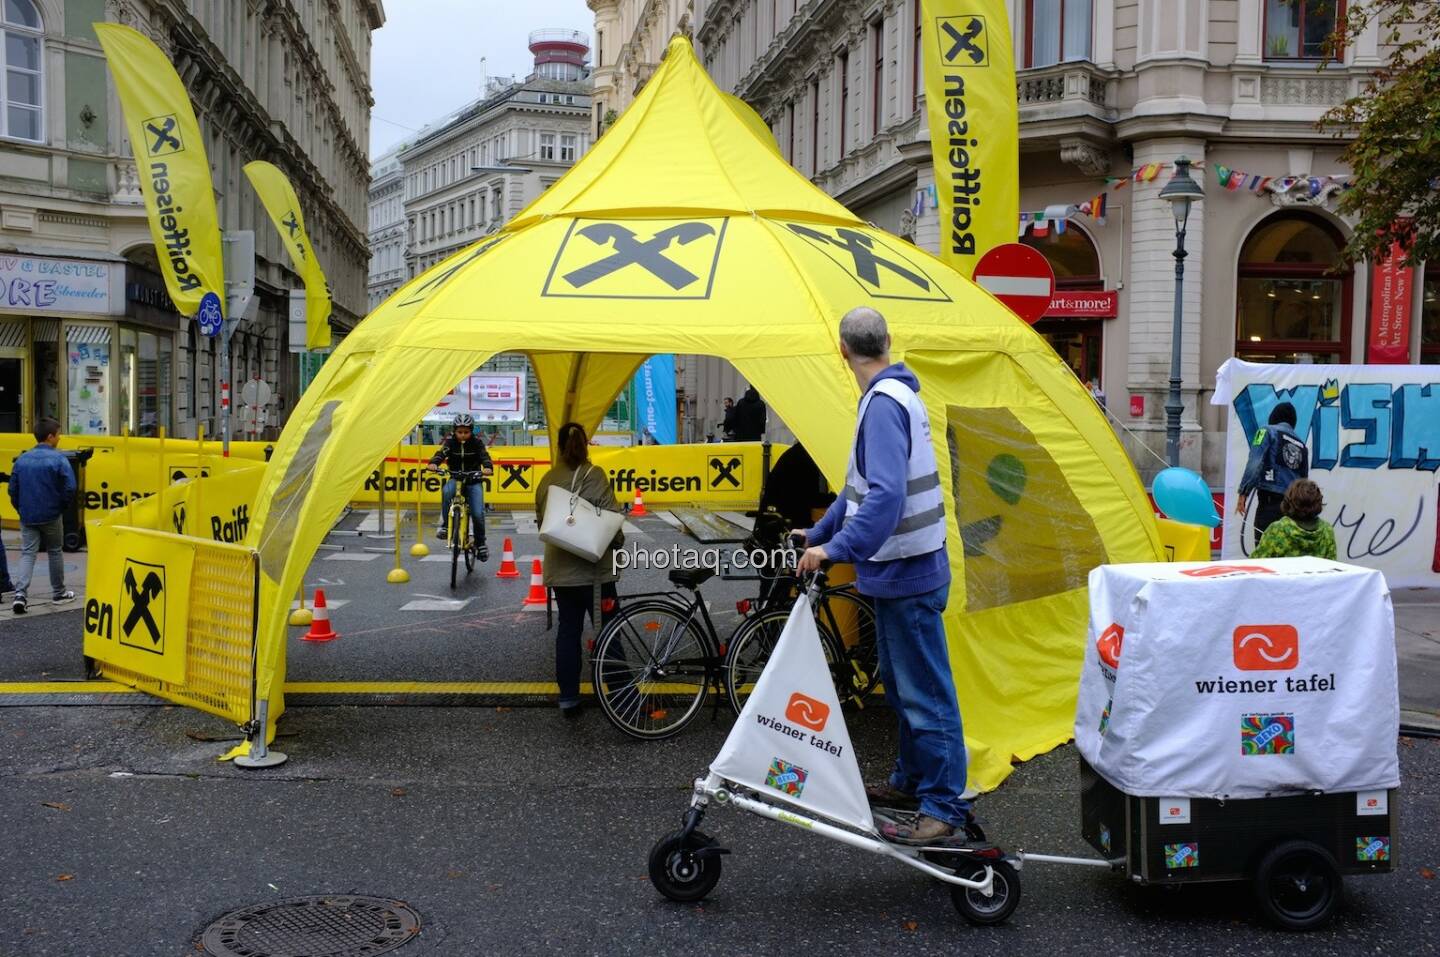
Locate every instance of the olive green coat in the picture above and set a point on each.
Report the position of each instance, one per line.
(564, 568)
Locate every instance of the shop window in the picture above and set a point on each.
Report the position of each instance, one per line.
(22, 75)
(146, 371)
(88, 393)
(1024, 533)
(1298, 29)
(1430, 315)
(1059, 31)
(1076, 262)
(1294, 296)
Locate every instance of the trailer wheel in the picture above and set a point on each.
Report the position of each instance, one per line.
(1298, 885)
(1004, 893)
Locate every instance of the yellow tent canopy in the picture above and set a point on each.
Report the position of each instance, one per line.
(682, 231)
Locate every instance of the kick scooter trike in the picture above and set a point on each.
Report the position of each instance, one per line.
(759, 770)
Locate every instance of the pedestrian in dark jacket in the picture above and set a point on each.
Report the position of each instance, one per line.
(749, 423)
(727, 424)
(572, 578)
(1277, 458)
(42, 486)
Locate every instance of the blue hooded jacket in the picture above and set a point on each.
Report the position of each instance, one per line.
(42, 485)
(882, 450)
(1277, 457)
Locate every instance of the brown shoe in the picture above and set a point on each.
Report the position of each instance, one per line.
(925, 830)
(884, 795)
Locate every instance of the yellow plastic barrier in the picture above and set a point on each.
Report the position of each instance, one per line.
(174, 616)
(1182, 542)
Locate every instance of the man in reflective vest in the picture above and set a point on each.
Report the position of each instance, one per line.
(890, 522)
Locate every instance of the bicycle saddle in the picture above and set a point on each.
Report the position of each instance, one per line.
(690, 577)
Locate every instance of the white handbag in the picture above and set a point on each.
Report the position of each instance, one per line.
(576, 525)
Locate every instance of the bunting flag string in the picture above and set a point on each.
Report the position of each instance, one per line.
(1053, 219)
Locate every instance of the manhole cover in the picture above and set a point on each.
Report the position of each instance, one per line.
(341, 926)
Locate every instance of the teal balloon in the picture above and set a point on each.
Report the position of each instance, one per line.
(1006, 476)
(1183, 496)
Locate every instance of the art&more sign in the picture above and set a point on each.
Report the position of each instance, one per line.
(1084, 305)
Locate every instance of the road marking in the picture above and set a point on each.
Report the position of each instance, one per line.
(329, 603)
(352, 557)
(436, 604)
(370, 523)
(65, 687)
(632, 529)
(739, 518)
(668, 519)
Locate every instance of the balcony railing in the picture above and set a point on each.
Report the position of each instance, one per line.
(1078, 83)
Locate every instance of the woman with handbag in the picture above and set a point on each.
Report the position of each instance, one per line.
(580, 523)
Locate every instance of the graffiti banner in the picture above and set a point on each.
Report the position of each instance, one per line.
(1373, 434)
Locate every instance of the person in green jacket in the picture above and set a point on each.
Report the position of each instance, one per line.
(1300, 531)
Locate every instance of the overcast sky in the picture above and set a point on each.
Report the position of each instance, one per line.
(426, 59)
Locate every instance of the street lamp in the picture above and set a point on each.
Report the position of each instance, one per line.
(1180, 193)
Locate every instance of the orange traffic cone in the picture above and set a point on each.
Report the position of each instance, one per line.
(537, 587)
(507, 562)
(639, 507)
(320, 629)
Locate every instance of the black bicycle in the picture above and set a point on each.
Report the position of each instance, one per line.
(658, 659)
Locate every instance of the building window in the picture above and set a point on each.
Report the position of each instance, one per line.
(567, 148)
(790, 132)
(547, 146)
(599, 48)
(877, 95)
(21, 72)
(1059, 31)
(1430, 315)
(814, 126)
(915, 55)
(1294, 300)
(1298, 29)
(842, 67)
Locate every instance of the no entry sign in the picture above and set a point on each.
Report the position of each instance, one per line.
(1018, 276)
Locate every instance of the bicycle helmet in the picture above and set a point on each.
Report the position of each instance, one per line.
(464, 421)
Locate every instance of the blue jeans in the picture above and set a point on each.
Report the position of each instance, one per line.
(475, 498)
(50, 537)
(915, 667)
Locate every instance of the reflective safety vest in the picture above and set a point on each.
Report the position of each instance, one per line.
(921, 529)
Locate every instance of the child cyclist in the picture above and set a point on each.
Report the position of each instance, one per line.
(464, 451)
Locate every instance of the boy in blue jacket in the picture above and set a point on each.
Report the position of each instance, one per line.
(42, 486)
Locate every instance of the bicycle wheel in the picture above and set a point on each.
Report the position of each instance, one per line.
(850, 618)
(753, 643)
(652, 668)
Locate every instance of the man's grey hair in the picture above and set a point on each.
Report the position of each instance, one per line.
(864, 333)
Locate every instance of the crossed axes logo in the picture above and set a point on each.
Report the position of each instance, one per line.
(969, 40)
(164, 135)
(723, 471)
(637, 260)
(143, 600)
(516, 474)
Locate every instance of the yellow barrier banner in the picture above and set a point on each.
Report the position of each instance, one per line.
(111, 482)
(1183, 542)
(974, 126)
(137, 600)
(722, 474)
(280, 201)
(174, 172)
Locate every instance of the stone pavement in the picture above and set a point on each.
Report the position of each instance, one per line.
(39, 603)
(1417, 641)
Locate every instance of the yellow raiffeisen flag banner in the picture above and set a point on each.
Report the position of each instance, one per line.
(974, 126)
(283, 206)
(174, 173)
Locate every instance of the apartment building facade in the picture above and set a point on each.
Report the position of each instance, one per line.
(1106, 88)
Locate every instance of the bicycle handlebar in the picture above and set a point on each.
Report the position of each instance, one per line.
(464, 475)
